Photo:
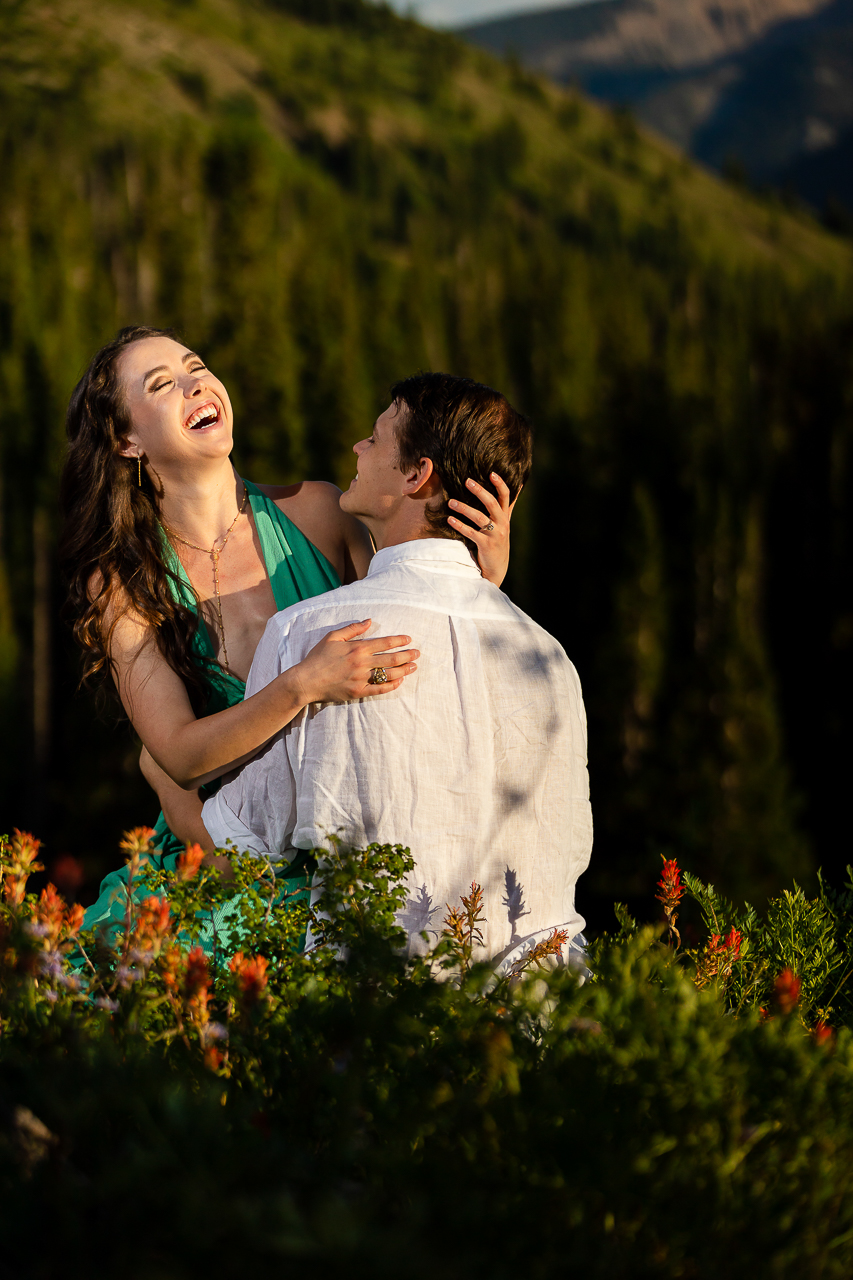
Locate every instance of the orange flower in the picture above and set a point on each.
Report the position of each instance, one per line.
(786, 991)
(74, 920)
(25, 850)
(151, 923)
(50, 912)
(171, 960)
(137, 840)
(22, 854)
(821, 1033)
(196, 977)
(190, 862)
(251, 975)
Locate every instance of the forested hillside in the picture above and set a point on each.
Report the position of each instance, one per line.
(324, 197)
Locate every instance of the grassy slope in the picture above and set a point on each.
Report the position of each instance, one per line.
(180, 60)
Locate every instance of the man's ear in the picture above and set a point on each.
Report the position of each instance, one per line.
(417, 477)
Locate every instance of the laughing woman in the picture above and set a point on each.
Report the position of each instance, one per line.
(175, 565)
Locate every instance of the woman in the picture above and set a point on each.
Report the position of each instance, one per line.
(175, 565)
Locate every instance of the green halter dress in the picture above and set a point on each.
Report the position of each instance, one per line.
(296, 571)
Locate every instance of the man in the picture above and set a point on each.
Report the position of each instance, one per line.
(477, 762)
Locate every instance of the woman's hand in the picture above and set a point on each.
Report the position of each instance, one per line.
(490, 533)
(338, 669)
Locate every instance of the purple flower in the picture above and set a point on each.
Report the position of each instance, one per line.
(213, 1031)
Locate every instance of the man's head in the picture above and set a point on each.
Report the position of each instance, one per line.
(438, 432)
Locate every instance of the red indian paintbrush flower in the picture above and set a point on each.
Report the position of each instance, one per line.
(786, 991)
(251, 975)
(670, 892)
(670, 888)
(821, 1033)
(190, 861)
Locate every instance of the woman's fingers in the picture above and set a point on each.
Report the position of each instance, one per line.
(352, 630)
(478, 518)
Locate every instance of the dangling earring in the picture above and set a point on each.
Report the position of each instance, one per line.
(139, 468)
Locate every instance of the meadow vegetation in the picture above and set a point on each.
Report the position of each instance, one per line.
(686, 1112)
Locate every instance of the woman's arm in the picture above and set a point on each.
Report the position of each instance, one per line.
(193, 751)
(181, 809)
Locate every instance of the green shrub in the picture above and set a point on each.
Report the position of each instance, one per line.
(354, 1112)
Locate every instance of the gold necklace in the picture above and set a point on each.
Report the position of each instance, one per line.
(215, 552)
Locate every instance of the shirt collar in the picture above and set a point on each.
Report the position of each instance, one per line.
(442, 552)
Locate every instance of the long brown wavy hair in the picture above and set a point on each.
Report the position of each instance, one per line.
(111, 544)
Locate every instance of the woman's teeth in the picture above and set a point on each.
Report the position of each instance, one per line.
(204, 417)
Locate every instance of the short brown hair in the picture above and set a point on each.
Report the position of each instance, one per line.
(467, 431)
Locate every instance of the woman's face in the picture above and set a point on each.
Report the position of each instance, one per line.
(178, 411)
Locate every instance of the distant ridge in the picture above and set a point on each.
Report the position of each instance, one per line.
(767, 84)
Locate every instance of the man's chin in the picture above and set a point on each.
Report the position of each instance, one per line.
(349, 503)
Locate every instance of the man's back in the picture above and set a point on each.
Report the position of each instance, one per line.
(477, 762)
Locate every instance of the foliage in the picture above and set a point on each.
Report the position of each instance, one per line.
(353, 1111)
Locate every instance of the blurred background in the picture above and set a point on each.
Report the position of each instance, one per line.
(632, 219)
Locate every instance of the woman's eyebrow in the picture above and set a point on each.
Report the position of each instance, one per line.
(161, 368)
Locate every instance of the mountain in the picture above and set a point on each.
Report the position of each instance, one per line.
(766, 85)
(322, 197)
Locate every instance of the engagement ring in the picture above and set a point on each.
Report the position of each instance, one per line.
(378, 676)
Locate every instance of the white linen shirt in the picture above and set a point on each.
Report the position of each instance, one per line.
(477, 763)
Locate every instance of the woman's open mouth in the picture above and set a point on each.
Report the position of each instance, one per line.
(203, 418)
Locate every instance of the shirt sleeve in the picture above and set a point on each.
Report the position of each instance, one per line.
(255, 809)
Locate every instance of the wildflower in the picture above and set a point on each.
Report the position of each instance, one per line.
(670, 892)
(50, 912)
(50, 965)
(463, 927)
(137, 840)
(786, 991)
(821, 1033)
(35, 929)
(670, 888)
(718, 957)
(539, 954)
(151, 924)
(104, 1002)
(22, 854)
(171, 960)
(74, 920)
(196, 977)
(213, 1031)
(126, 975)
(190, 861)
(212, 1058)
(251, 975)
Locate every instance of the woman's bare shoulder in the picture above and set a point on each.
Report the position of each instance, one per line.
(306, 494)
(314, 507)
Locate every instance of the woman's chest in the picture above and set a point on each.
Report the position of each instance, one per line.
(235, 600)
